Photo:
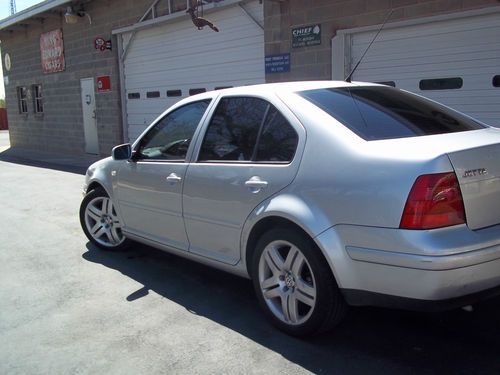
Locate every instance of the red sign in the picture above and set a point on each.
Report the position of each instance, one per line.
(103, 84)
(52, 51)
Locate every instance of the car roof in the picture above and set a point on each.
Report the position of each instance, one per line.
(292, 86)
(267, 88)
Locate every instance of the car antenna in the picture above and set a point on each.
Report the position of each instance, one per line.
(348, 78)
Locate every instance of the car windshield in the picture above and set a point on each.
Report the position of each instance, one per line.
(374, 112)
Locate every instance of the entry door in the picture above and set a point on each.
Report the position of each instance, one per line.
(89, 117)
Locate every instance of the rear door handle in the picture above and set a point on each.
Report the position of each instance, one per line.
(255, 184)
(173, 178)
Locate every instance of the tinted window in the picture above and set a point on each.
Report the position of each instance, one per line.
(153, 94)
(196, 91)
(387, 83)
(496, 81)
(233, 130)
(383, 112)
(134, 95)
(174, 93)
(278, 140)
(169, 139)
(441, 84)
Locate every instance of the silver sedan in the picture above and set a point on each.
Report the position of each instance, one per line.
(325, 194)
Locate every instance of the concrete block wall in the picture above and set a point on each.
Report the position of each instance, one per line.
(60, 128)
(315, 62)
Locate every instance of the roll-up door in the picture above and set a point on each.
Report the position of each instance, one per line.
(168, 62)
(456, 62)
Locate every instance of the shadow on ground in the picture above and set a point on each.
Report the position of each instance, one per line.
(15, 157)
(368, 340)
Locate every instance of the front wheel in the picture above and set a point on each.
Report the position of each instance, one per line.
(100, 222)
(295, 285)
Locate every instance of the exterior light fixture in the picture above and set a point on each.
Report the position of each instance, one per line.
(72, 17)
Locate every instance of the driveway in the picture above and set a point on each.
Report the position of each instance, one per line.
(67, 307)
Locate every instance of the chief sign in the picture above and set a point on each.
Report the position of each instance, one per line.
(306, 36)
(52, 51)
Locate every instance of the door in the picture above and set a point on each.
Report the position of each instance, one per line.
(89, 117)
(247, 155)
(454, 62)
(149, 187)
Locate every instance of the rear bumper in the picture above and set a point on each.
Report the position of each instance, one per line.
(448, 268)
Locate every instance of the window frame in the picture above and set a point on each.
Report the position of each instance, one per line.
(22, 101)
(204, 131)
(37, 98)
(137, 144)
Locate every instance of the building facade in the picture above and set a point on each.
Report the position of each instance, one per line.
(84, 75)
(86, 85)
(448, 51)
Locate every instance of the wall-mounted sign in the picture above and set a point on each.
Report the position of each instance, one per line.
(7, 62)
(52, 51)
(103, 84)
(306, 36)
(101, 44)
(278, 63)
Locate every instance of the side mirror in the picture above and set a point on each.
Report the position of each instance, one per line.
(122, 152)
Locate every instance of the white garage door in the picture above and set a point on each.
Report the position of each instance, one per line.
(456, 62)
(172, 61)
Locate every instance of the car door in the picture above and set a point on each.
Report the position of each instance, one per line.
(249, 151)
(149, 187)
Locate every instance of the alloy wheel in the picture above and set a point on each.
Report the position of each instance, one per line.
(103, 223)
(287, 282)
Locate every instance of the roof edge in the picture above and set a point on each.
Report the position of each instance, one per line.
(30, 12)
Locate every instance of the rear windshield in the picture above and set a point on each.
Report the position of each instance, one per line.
(375, 112)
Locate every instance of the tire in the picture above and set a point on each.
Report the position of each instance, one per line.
(100, 223)
(295, 285)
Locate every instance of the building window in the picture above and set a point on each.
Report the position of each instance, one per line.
(496, 81)
(22, 99)
(134, 95)
(441, 84)
(174, 93)
(37, 98)
(387, 83)
(152, 94)
(196, 91)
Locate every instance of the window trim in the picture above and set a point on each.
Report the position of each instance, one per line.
(22, 100)
(37, 98)
(137, 144)
(270, 104)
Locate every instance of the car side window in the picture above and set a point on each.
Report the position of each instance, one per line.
(169, 139)
(232, 132)
(245, 129)
(278, 139)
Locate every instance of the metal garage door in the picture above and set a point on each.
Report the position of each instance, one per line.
(171, 61)
(456, 62)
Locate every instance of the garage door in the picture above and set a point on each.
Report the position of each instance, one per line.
(456, 62)
(172, 61)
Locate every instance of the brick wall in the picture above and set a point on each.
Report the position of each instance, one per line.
(60, 128)
(314, 63)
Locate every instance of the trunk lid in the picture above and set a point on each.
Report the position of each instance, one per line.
(478, 172)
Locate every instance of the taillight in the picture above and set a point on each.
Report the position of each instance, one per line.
(435, 201)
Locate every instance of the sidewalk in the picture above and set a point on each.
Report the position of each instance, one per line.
(77, 163)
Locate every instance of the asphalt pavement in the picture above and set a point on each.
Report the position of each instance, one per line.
(67, 307)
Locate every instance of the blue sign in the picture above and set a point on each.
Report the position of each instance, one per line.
(278, 63)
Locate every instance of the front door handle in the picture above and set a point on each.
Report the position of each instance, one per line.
(173, 178)
(255, 184)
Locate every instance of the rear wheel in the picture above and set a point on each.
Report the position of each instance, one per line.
(295, 285)
(100, 222)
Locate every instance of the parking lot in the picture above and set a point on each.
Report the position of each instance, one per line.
(67, 307)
